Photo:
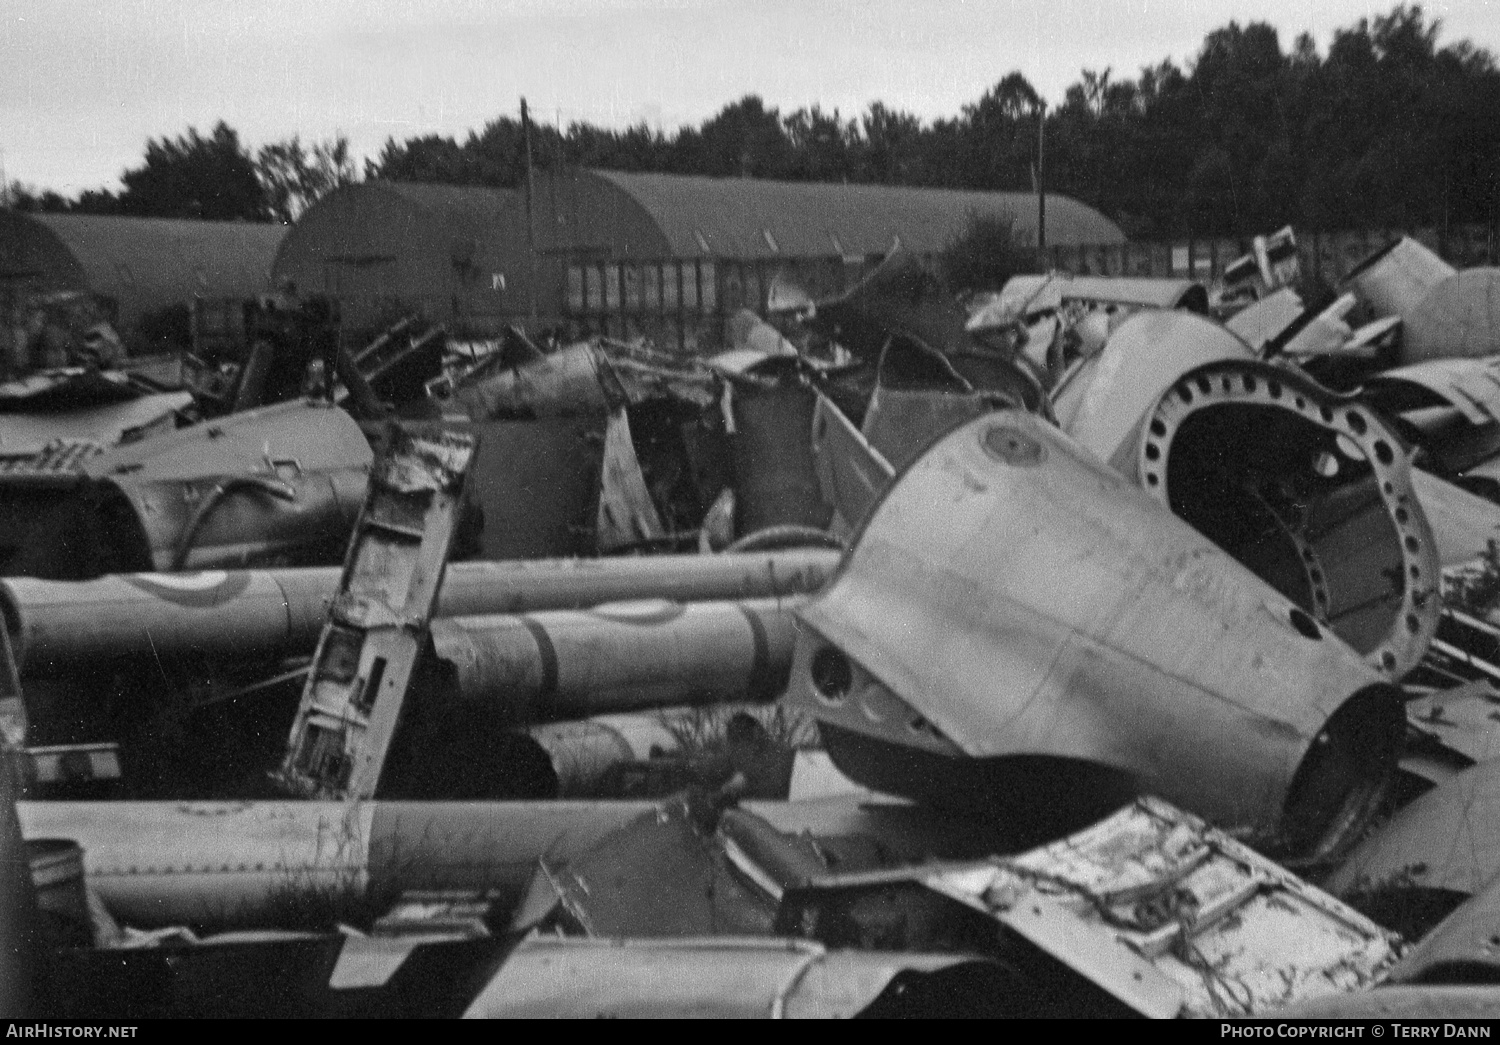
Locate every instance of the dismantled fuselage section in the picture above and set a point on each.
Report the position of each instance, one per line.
(1017, 618)
(1049, 655)
(378, 622)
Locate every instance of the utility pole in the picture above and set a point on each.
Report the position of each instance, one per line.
(530, 224)
(1041, 180)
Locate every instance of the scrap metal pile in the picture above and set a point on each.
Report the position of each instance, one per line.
(1111, 647)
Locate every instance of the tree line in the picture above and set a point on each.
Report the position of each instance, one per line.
(1390, 127)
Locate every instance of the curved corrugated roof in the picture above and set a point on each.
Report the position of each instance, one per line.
(463, 204)
(147, 263)
(746, 217)
(467, 217)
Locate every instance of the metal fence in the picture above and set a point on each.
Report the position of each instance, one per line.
(682, 304)
(1328, 255)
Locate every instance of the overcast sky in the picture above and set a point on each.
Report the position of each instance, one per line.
(84, 83)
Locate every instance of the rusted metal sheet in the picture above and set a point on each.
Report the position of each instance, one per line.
(1015, 612)
(851, 473)
(243, 863)
(378, 621)
(1458, 317)
(1174, 918)
(623, 656)
(1394, 280)
(265, 485)
(60, 627)
(1449, 838)
(716, 978)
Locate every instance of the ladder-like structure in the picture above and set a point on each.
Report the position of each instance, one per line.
(379, 619)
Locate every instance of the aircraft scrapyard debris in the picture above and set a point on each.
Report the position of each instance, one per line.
(1107, 647)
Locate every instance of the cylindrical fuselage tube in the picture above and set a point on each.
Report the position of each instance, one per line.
(248, 863)
(621, 657)
(56, 626)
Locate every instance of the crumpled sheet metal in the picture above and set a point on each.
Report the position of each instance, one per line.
(1309, 489)
(1325, 333)
(718, 978)
(1029, 295)
(1449, 838)
(1142, 360)
(1470, 386)
(661, 874)
(1022, 298)
(240, 863)
(901, 294)
(573, 380)
(1264, 321)
(748, 332)
(1013, 597)
(1459, 317)
(627, 515)
(1177, 919)
(904, 304)
(1394, 280)
(851, 473)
